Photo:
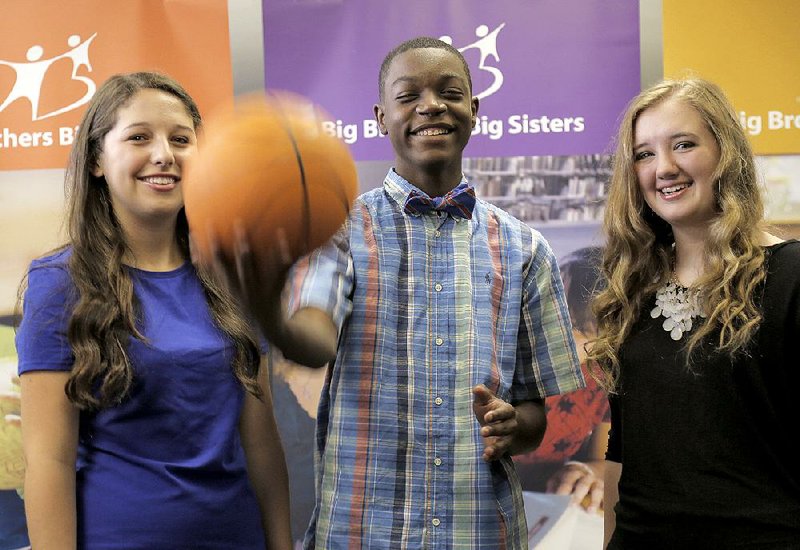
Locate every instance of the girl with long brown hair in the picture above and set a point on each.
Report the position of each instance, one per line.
(147, 422)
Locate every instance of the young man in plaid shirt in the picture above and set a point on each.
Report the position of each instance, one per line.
(445, 325)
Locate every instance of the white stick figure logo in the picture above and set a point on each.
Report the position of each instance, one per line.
(30, 76)
(486, 44)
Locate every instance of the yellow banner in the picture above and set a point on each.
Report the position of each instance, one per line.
(751, 48)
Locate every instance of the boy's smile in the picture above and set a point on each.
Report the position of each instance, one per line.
(432, 130)
(428, 111)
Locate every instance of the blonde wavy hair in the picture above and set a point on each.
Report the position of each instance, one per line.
(638, 253)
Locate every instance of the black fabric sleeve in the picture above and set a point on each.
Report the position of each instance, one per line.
(614, 451)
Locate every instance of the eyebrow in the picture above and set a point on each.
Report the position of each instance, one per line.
(671, 137)
(147, 124)
(442, 78)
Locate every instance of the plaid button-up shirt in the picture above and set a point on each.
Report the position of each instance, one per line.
(428, 306)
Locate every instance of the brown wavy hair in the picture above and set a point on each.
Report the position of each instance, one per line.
(105, 314)
(638, 253)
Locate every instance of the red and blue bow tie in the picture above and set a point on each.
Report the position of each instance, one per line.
(459, 202)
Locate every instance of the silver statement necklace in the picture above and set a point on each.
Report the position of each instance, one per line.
(679, 306)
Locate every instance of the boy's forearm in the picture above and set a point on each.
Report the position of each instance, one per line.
(309, 337)
(532, 423)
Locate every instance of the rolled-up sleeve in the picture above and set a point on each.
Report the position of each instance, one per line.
(324, 279)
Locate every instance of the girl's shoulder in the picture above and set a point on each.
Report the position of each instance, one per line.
(58, 259)
(50, 273)
(788, 250)
(783, 264)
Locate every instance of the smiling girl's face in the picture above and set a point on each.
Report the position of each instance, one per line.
(675, 157)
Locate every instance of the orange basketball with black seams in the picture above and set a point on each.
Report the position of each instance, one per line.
(268, 163)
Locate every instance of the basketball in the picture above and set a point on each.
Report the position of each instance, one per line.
(268, 164)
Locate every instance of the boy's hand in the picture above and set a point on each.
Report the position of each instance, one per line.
(498, 420)
(256, 281)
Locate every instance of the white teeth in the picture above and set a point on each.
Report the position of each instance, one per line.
(160, 180)
(433, 132)
(674, 189)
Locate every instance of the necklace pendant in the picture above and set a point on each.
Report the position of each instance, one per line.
(679, 306)
(655, 312)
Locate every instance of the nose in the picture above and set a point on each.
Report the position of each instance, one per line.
(161, 153)
(431, 104)
(666, 168)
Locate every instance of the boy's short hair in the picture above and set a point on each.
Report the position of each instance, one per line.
(415, 44)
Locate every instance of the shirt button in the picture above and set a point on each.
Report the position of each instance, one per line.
(435, 522)
(437, 461)
(438, 287)
(437, 233)
(438, 400)
(439, 341)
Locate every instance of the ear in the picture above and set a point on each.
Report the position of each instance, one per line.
(475, 104)
(379, 115)
(97, 170)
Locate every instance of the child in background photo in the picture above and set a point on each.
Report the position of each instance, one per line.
(571, 457)
(147, 422)
(445, 325)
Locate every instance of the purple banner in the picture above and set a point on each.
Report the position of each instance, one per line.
(553, 76)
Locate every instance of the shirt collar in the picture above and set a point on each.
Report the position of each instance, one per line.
(398, 188)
